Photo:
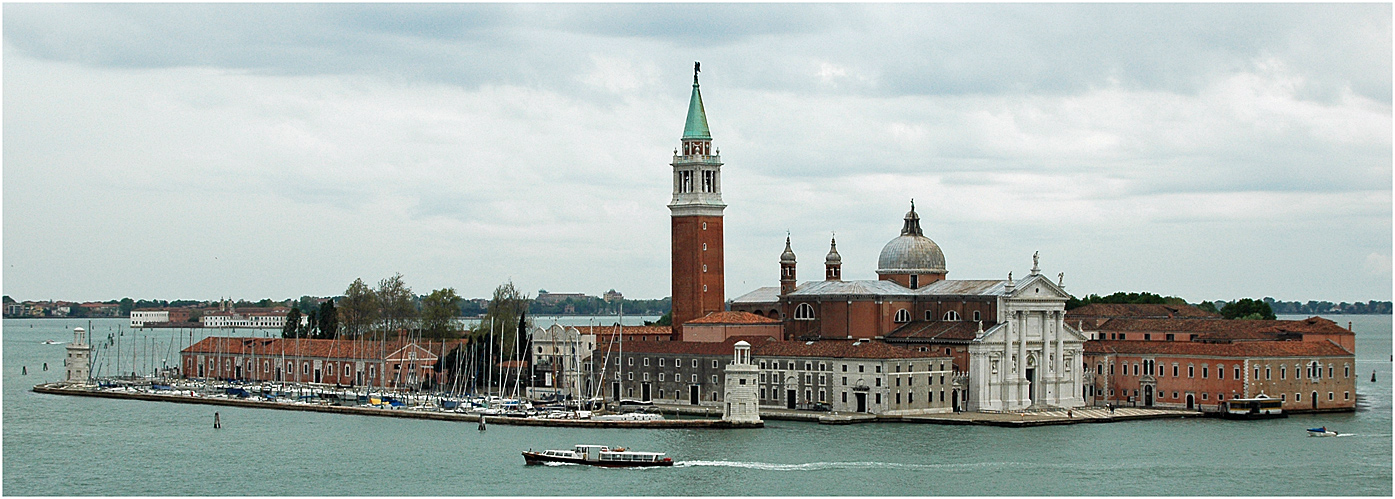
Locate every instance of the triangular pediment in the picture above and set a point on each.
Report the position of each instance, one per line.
(411, 352)
(1038, 287)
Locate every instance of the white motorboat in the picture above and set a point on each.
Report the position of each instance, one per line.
(1321, 432)
(598, 455)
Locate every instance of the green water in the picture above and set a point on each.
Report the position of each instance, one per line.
(55, 445)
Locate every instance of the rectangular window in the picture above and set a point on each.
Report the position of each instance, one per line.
(1329, 370)
(1283, 372)
(1205, 371)
(762, 366)
(879, 368)
(646, 376)
(714, 364)
(714, 379)
(1346, 395)
(845, 381)
(879, 382)
(845, 397)
(823, 397)
(861, 368)
(845, 368)
(631, 361)
(1220, 372)
(1191, 371)
(661, 378)
(1174, 370)
(1237, 372)
(661, 363)
(1135, 369)
(762, 394)
(646, 362)
(823, 379)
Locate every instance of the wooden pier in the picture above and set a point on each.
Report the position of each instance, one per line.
(87, 391)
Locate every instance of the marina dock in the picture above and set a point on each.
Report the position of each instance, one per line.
(87, 391)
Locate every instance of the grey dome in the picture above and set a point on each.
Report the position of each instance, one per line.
(911, 252)
(833, 257)
(788, 255)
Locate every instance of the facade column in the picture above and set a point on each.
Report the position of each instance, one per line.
(1061, 368)
(1023, 388)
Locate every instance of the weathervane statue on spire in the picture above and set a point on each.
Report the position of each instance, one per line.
(697, 68)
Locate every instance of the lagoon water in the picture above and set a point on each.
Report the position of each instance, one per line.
(57, 445)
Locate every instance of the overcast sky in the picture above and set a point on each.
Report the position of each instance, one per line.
(271, 150)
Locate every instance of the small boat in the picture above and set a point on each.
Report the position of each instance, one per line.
(632, 416)
(49, 342)
(598, 455)
(1321, 432)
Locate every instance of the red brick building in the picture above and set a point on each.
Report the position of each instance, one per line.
(1181, 356)
(721, 326)
(1307, 376)
(341, 362)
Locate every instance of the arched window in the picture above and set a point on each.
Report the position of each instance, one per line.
(951, 316)
(903, 315)
(804, 312)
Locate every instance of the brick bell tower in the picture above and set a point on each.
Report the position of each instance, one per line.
(696, 210)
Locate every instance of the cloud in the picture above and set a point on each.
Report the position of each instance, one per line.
(1193, 147)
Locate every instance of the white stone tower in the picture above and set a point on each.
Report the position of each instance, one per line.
(742, 404)
(79, 359)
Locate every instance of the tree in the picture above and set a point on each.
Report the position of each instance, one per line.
(438, 313)
(359, 308)
(505, 311)
(666, 320)
(396, 305)
(292, 327)
(329, 320)
(1209, 307)
(1248, 309)
(127, 305)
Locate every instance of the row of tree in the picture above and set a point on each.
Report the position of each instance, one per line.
(592, 305)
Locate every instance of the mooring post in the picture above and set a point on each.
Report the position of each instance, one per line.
(216, 423)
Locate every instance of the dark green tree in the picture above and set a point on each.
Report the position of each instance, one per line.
(292, 326)
(329, 321)
(359, 309)
(438, 311)
(397, 306)
(1247, 308)
(127, 305)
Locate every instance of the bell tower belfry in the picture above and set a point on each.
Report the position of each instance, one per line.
(696, 211)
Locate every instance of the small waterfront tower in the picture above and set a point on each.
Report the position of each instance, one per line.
(742, 405)
(696, 211)
(78, 364)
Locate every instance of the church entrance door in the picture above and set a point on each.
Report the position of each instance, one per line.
(861, 402)
(789, 399)
(1148, 395)
(693, 395)
(1031, 383)
(1191, 401)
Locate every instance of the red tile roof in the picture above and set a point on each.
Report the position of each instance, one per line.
(680, 347)
(1222, 329)
(1241, 349)
(733, 318)
(1138, 311)
(837, 349)
(937, 331)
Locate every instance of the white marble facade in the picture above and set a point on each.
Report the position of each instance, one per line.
(1030, 359)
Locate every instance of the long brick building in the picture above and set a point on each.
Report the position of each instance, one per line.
(393, 364)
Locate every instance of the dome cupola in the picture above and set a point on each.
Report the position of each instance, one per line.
(911, 259)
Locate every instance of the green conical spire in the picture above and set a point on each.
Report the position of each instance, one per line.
(696, 128)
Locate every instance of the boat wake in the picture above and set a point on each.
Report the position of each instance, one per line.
(830, 466)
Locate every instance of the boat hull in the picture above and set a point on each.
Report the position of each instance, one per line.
(539, 458)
